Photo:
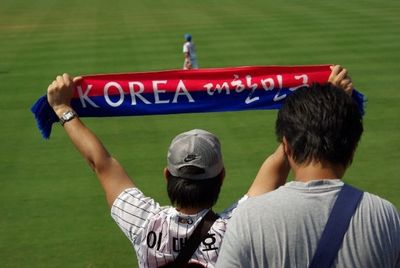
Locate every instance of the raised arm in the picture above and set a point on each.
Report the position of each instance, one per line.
(110, 173)
(275, 169)
(272, 173)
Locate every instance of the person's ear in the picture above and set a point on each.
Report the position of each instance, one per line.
(166, 173)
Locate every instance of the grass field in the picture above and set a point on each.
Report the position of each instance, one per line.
(52, 210)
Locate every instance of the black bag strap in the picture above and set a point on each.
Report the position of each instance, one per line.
(336, 227)
(194, 240)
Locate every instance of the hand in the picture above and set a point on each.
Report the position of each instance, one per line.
(281, 157)
(340, 78)
(280, 154)
(60, 91)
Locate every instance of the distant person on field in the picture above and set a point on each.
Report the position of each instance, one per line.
(319, 128)
(189, 50)
(194, 174)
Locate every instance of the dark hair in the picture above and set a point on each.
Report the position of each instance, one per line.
(320, 123)
(187, 193)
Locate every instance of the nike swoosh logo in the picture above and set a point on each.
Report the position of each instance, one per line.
(190, 158)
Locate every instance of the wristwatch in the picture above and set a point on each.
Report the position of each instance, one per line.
(67, 116)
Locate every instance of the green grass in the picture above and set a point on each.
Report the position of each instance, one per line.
(53, 213)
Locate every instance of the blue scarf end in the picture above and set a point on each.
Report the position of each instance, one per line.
(44, 116)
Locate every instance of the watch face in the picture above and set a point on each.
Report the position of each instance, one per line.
(68, 116)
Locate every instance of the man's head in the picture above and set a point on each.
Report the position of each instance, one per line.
(321, 123)
(195, 169)
(188, 37)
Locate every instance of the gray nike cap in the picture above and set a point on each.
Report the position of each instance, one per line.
(198, 148)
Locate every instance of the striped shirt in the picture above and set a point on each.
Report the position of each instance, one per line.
(159, 232)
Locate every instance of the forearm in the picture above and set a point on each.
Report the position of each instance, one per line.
(110, 173)
(272, 173)
(84, 140)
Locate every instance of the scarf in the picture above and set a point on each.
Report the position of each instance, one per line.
(185, 91)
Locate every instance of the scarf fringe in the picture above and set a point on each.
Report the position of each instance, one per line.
(44, 115)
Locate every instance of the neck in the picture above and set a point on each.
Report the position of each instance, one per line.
(318, 171)
(189, 211)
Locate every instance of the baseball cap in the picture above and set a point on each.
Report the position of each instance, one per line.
(188, 37)
(198, 148)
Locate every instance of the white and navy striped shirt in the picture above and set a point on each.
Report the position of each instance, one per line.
(158, 233)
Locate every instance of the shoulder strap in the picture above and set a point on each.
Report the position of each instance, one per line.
(197, 236)
(336, 227)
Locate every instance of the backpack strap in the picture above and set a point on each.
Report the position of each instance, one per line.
(198, 235)
(336, 227)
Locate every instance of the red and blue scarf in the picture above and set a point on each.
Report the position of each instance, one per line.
(185, 91)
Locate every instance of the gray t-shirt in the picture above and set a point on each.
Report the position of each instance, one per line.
(282, 229)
